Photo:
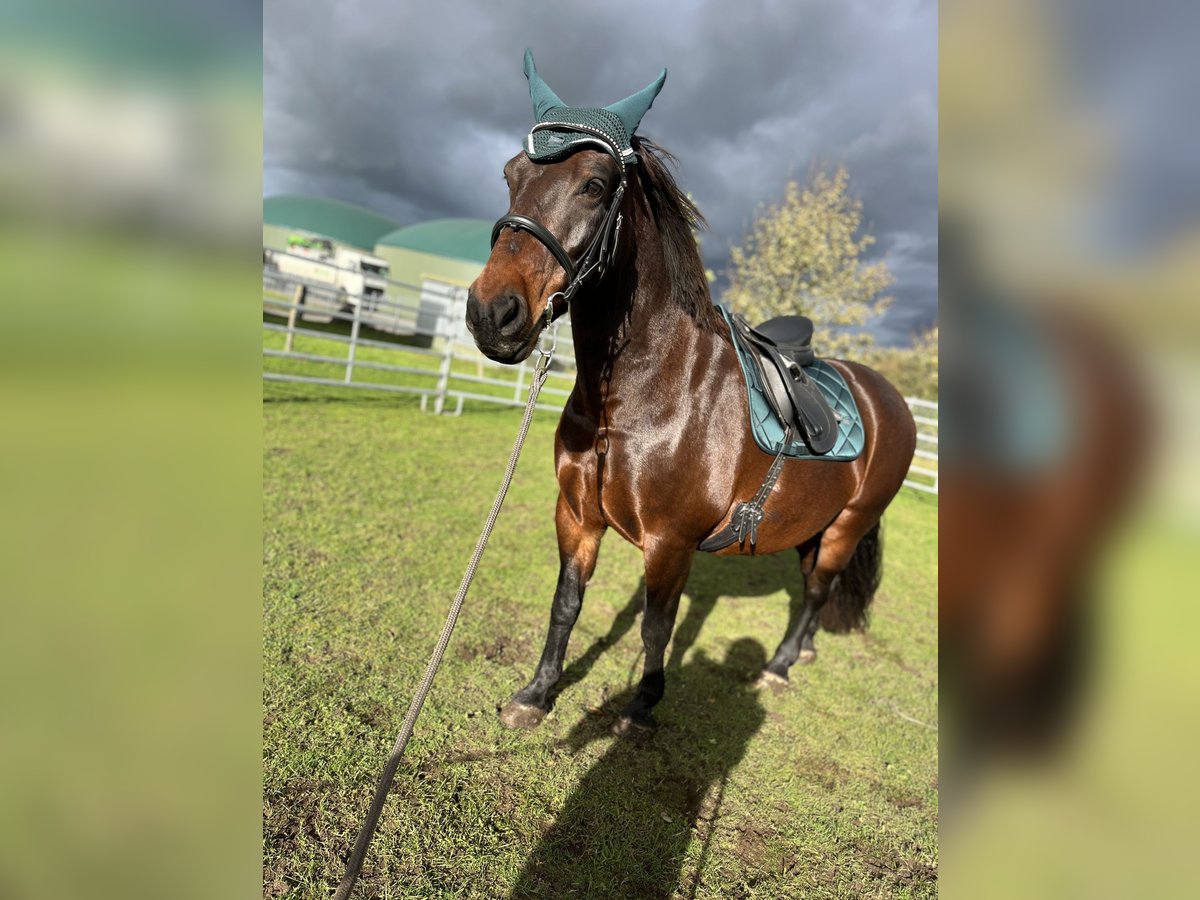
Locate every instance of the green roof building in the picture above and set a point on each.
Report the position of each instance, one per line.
(345, 223)
(433, 264)
(430, 264)
(466, 240)
(449, 250)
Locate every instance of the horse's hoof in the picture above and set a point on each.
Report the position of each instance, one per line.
(768, 679)
(519, 715)
(634, 728)
(807, 656)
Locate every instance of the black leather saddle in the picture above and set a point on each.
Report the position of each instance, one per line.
(782, 348)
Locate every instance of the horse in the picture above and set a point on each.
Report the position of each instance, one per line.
(1025, 521)
(654, 440)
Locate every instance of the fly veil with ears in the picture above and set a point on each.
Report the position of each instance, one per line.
(561, 130)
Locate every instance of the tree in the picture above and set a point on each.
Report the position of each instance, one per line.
(803, 255)
(913, 370)
(925, 349)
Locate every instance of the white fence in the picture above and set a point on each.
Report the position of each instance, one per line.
(411, 341)
(923, 473)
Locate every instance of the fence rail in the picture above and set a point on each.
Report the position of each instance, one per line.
(922, 476)
(411, 341)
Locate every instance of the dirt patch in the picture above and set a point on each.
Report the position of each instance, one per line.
(371, 713)
(878, 647)
(507, 800)
(822, 770)
(894, 867)
(875, 875)
(313, 555)
(905, 799)
(298, 825)
(329, 656)
(751, 846)
(498, 649)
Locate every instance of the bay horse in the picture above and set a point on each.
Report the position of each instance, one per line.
(1027, 521)
(654, 441)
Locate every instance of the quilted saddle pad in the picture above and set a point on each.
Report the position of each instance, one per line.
(769, 431)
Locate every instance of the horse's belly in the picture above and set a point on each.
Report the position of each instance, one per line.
(801, 505)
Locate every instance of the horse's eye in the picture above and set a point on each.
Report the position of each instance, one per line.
(594, 188)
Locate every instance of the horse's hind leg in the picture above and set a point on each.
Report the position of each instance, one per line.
(849, 547)
(798, 644)
(808, 559)
(667, 570)
(578, 548)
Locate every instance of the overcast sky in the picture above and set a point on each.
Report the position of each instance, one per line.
(412, 108)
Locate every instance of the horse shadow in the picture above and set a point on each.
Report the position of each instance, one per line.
(711, 578)
(626, 828)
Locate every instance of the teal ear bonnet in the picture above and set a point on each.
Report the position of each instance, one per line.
(561, 129)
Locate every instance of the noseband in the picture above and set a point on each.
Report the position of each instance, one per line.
(600, 251)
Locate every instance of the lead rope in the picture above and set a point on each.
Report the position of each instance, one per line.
(389, 771)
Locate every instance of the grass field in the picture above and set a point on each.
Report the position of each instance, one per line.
(371, 508)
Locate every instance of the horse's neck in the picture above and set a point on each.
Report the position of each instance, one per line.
(629, 335)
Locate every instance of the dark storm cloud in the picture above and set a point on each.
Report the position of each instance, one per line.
(412, 109)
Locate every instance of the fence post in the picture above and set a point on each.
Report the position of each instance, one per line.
(298, 296)
(353, 339)
(444, 367)
(520, 384)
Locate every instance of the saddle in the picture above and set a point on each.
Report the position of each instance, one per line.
(791, 394)
(782, 349)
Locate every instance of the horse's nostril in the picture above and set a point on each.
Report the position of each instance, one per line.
(474, 309)
(508, 310)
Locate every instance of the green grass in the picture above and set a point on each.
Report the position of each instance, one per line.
(827, 789)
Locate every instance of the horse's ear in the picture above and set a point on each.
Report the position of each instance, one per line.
(632, 108)
(543, 98)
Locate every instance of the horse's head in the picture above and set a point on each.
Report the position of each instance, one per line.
(564, 216)
(572, 200)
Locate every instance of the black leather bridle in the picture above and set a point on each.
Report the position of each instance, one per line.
(599, 253)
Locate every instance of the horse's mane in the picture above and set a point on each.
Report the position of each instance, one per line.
(677, 218)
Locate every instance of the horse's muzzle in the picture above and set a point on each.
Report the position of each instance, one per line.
(501, 327)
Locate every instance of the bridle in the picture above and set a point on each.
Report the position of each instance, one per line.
(599, 253)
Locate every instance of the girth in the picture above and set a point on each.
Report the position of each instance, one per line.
(746, 516)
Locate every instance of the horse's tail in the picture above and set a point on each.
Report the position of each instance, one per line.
(854, 587)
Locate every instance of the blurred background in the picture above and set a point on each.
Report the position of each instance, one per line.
(130, 172)
(130, 192)
(1069, 265)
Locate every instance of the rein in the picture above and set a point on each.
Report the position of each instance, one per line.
(600, 251)
(354, 866)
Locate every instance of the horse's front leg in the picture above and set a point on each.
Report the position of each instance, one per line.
(578, 547)
(667, 567)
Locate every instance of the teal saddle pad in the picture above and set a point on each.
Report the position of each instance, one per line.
(1010, 400)
(769, 431)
